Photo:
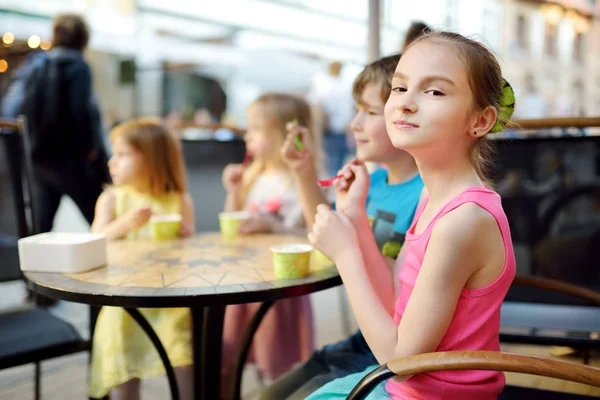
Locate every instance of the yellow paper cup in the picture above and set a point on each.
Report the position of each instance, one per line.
(291, 261)
(229, 222)
(165, 227)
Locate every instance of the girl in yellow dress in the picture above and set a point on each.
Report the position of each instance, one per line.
(148, 173)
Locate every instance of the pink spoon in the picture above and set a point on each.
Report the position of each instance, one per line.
(328, 182)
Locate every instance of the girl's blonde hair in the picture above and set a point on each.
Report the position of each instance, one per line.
(485, 80)
(277, 110)
(161, 151)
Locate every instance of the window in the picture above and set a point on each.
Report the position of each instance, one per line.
(578, 47)
(491, 23)
(550, 40)
(522, 32)
(451, 18)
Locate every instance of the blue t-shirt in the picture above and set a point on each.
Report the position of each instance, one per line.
(393, 207)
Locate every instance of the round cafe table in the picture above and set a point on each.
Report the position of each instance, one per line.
(205, 273)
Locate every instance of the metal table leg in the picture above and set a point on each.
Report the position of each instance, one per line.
(236, 390)
(208, 339)
(147, 328)
(197, 333)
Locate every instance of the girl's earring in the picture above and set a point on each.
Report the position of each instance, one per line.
(474, 133)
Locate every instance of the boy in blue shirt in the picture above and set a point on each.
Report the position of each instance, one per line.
(394, 194)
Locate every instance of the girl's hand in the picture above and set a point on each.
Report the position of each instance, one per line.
(232, 177)
(185, 231)
(297, 160)
(332, 233)
(352, 189)
(138, 217)
(257, 223)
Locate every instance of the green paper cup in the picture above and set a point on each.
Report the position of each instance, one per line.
(291, 261)
(229, 222)
(165, 227)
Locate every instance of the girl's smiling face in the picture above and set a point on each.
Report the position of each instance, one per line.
(431, 104)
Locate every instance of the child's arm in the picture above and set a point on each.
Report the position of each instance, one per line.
(465, 244)
(105, 222)
(232, 181)
(232, 203)
(188, 220)
(302, 165)
(380, 271)
(351, 193)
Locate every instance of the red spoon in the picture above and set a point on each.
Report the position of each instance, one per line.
(328, 182)
(247, 159)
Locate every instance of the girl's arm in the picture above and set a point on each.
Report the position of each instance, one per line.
(232, 181)
(105, 222)
(461, 243)
(382, 271)
(351, 196)
(379, 270)
(232, 202)
(188, 220)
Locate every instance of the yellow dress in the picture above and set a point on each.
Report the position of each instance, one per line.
(121, 350)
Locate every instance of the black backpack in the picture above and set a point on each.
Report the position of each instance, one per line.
(46, 107)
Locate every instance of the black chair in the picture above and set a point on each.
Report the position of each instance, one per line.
(485, 360)
(28, 334)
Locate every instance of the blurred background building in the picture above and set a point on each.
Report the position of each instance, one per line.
(205, 61)
(178, 57)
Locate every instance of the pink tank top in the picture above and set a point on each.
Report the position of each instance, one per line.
(476, 321)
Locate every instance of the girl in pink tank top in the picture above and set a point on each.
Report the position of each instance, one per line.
(445, 291)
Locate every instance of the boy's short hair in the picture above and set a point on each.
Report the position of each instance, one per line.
(70, 31)
(380, 71)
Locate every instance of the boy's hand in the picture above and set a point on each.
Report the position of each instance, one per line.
(332, 233)
(297, 160)
(232, 178)
(257, 223)
(138, 217)
(352, 188)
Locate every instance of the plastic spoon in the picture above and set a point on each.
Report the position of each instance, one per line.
(328, 182)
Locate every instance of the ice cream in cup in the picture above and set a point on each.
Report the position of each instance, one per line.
(165, 227)
(229, 222)
(292, 260)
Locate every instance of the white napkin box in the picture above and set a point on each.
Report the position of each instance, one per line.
(62, 252)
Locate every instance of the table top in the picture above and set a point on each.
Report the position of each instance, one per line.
(197, 271)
